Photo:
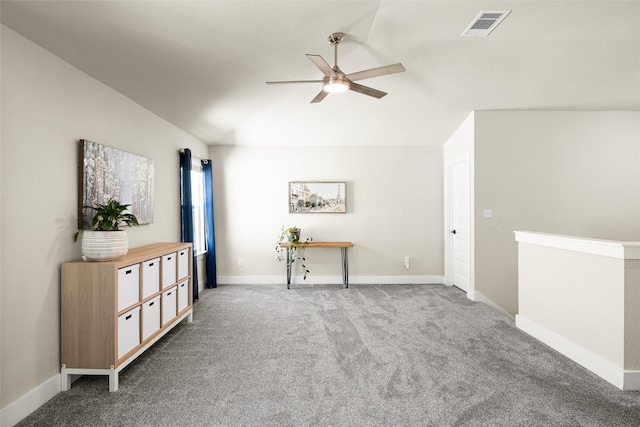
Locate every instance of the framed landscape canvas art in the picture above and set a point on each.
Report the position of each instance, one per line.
(107, 172)
(317, 197)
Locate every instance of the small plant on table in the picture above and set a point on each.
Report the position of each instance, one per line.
(289, 253)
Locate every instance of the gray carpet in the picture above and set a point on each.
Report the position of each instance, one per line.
(378, 355)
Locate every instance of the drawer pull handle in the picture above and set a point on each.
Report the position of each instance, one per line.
(151, 303)
(151, 264)
(169, 294)
(128, 317)
(182, 286)
(128, 272)
(169, 259)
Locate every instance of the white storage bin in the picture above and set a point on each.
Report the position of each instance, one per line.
(183, 295)
(183, 263)
(128, 286)
(168, 269)
(150, 277)
(150, 317)
(128, 331)
(169, 304)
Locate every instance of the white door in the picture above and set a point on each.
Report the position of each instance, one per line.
(459, 224)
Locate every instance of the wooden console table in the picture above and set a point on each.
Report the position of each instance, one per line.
(343, 249)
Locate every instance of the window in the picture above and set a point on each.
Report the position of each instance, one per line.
(197, 190)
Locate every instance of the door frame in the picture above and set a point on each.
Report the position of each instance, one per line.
(448, 212)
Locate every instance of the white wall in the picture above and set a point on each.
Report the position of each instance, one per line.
(560, 172)
(461, 143)
(581, 297)
(47, 105)
(394, 204)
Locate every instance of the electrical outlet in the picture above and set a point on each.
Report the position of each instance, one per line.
(240, 263)
(407, 260)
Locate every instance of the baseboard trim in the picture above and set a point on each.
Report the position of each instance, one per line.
(25, 405)
(330, 280)
(624, 380)
(477, 296)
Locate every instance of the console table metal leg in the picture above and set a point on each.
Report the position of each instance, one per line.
(288, 271)
(345, 268)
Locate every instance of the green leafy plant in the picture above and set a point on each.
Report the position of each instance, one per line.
(295, 250)
(109, 216)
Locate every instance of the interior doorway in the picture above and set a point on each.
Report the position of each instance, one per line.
(458, 224)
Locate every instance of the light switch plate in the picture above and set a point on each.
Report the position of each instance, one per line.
(487, 213)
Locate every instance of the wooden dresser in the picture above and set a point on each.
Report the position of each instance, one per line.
(113, 311)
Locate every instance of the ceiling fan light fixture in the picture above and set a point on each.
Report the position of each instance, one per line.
(335, 85)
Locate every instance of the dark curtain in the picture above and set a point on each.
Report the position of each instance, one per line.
(207, 174)
(186, 212)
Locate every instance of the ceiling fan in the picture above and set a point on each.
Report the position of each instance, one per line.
(335, 80)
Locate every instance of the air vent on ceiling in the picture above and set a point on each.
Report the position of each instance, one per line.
(485, 22)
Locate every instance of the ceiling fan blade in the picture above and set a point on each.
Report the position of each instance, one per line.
(319, 97)
(365, 90)
(294, 81)
(375, 72)
(322, 65)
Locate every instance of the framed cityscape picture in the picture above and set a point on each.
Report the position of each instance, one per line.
(317, 197)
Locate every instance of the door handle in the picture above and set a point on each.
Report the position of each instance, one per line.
(453, 231)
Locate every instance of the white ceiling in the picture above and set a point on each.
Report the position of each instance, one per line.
(202, 65)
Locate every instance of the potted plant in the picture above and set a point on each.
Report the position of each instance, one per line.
(290, 253)
(107, 242)
(292, 234)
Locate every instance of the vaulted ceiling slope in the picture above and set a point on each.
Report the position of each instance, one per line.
(202, 65)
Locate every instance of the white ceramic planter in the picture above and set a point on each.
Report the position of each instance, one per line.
(104, 245)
